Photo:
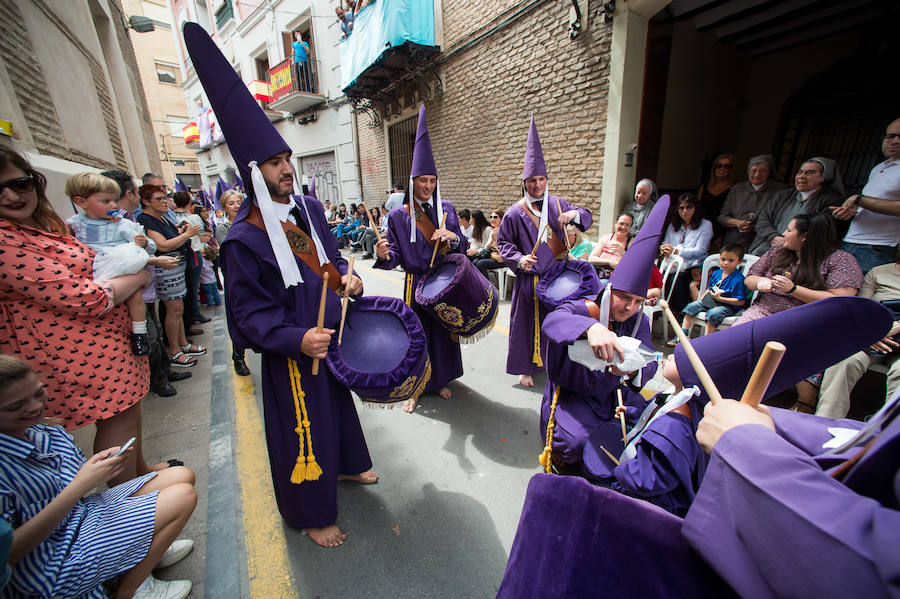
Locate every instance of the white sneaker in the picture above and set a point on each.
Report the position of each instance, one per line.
(153, 588)
(175, 553)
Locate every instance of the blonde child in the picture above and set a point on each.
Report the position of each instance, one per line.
(120, 244)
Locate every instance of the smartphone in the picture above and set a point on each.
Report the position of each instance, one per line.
(123, 448)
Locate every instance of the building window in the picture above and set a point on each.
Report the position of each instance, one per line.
(401, 139)
(166, 73)
(224, 14)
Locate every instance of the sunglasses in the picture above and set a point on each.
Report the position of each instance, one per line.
(18, 185)
(495, 216)
(723, 165)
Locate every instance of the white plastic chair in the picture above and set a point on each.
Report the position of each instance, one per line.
(711, 262)
(503, 275)
(673, 266)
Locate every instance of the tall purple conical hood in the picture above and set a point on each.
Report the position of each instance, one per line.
(248, 132)
(632, 274)
(816, 335)
(534, 154)
(423, 159)
(219, 189)
(312, 188)
(179, 184)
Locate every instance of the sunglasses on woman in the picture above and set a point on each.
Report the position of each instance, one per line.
(18, 185)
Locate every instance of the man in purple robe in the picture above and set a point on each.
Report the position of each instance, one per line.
(519, 230)
(273, 289)
(407, 246)
(586, 398)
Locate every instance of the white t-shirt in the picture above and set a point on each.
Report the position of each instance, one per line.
(873, 228)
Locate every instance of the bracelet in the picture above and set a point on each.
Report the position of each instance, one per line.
(792, 289)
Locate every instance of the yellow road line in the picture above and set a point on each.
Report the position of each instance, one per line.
(268, 566)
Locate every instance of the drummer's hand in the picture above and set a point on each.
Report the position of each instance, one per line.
(616, 372)
(315, 344)
(566, 217)
(352, 284)
(604, 343)
(527, 262)
(725, 415)
(444, 235)
(382, 249)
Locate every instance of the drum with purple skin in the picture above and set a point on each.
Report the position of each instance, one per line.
(567, 280)
(458, 297)
(383, 356)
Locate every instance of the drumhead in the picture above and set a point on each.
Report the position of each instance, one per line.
(382, 351)
(439, 279)
(563, 286)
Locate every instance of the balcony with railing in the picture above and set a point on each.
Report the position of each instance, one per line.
(294, 87)
(391, 42)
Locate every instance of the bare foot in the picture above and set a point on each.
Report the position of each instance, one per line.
(445, 393)
(330, 536)
(409, 405)
(364, 478)
(526, 380)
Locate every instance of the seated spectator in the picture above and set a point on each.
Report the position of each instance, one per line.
(724, 297)
(581, 248)
(654, 291)
(479, 235)
(338, 217)
(75, 332)
(712, 194)
(645, 196)
(874, 234)
(806, 267)
(881, 284)
(67, 544)
(345, 18)
(360, 224)
(369, 238)
(746, 199)
(465, 223)
(817, 185)
(688, 234)
(348, 223)
(610, 248)
(493, 260)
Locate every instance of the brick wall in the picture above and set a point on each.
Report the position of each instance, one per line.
(373, 154)
(479, 126)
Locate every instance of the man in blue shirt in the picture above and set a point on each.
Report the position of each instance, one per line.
(346, 20)
(301, 61)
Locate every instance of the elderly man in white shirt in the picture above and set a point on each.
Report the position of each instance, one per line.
(875, 231)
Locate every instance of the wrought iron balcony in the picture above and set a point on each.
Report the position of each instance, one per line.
(294, 87)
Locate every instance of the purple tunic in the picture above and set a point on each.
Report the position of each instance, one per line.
(773, 522)
(271, 320)
(515, 239)
(586, 398)
(414, 258)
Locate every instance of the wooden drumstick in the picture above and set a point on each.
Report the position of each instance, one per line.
(345, 300)
(763, 373)
(622, 416)
(372, 221)
(438, 242)
(538, 242)
(610, 456)
(321, 321)
(699, 368)
(563, 227)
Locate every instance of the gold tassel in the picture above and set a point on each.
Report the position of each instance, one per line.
(536, 355)
(306, 468)
(546, 456)
(407, 295)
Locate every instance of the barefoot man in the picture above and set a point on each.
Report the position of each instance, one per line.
(519, 230)
(274, 257)
(409, 244)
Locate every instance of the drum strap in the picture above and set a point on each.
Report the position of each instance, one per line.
(423, 223)
(306, 467)
(556, 246)
(546, 457)
(536, 354)
(302, 246)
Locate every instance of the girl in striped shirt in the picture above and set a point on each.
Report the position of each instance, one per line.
(65, 544)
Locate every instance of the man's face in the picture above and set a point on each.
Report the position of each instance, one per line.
(339, 12)
(535, 186)
(623, 305)
(758, 173)
(277, 173)
(158, 181)
(423, 187)
(891, 144)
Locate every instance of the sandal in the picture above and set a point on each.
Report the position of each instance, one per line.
(181, 359)
(173, 462)
(193, 350)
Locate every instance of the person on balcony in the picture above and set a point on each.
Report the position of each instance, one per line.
(345, 18)
(301, 62)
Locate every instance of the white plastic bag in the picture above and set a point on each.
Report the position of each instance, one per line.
(120, 260)
(636, 355)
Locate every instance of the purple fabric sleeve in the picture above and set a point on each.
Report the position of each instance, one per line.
(806, 431)
(772, 523)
